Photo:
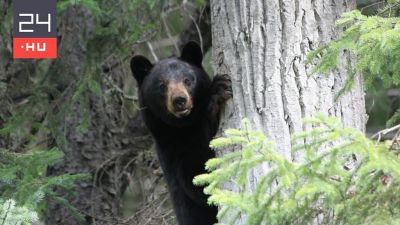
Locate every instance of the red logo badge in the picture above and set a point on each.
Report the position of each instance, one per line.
(33, 48)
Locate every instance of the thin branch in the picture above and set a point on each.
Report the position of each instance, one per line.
(197, 27)
(119, 90)
(371, 5)
(167, 30)
(150, 46)
(385, 131)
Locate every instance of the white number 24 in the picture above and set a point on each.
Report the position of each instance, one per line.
(31, 22)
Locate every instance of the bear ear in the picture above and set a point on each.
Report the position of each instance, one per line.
(191, 53)
(140, 67)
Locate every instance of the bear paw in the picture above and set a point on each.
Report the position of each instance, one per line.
(221, 88)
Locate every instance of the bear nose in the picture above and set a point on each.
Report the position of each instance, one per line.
(179, 102)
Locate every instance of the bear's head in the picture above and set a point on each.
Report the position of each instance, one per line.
(175, 89)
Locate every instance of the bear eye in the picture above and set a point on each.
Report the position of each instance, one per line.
(187, 81)
(161, 85)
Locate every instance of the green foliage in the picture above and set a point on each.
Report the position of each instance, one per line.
(327, 182)
(200, 3)
(10, 214)
(92, 5)
(373, 41)
(23, 178)
(394, 119)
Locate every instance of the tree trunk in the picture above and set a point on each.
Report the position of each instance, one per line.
(263, 45)
(113, 140)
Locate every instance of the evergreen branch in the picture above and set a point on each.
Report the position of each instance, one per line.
(320, 186)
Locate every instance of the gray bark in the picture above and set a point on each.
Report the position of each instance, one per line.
(263, 45)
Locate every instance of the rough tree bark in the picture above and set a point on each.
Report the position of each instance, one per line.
(263, 46)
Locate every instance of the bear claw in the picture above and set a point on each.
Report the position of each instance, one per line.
(222, 87)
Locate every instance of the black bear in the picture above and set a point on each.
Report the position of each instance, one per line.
(181, 107)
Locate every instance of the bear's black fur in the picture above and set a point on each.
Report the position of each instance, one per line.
(181, 107)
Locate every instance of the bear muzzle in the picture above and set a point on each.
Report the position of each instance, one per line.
(179, 102)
